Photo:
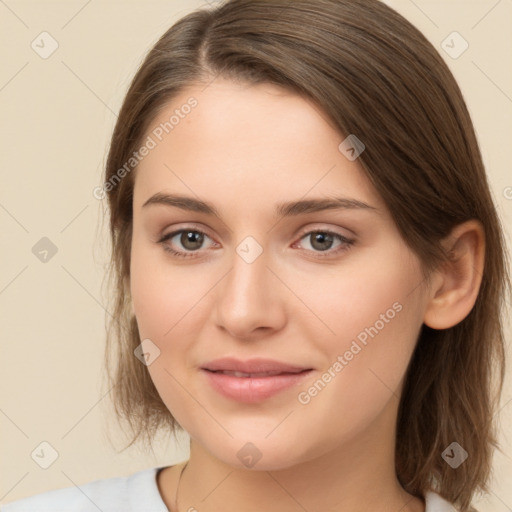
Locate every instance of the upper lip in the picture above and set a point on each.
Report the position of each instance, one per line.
(255, 365)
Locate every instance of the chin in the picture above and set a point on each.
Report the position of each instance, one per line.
(260, 453)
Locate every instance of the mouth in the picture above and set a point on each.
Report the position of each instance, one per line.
(254, 380)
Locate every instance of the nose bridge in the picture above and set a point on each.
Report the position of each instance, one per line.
(248, 298)
(247, 281)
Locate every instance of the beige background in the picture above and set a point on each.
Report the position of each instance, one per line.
(56, 118)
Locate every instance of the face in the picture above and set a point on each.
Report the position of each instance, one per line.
(334, 293)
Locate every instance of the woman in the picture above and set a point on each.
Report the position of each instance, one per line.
(309, 269)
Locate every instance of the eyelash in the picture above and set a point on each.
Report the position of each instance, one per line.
(346, 243)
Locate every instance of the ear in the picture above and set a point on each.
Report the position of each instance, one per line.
(456, 283)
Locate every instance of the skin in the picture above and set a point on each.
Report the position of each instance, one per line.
(245, 149)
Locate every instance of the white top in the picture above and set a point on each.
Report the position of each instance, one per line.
(134, 493)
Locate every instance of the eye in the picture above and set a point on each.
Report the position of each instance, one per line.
(322, 241)
(190, 239)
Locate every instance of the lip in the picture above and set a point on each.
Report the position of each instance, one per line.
(266, 378)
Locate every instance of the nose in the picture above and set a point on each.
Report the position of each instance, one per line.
(250, 300)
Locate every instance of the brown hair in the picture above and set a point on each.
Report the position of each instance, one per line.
(379, 78)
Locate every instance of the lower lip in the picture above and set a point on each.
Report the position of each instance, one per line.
(253, 389)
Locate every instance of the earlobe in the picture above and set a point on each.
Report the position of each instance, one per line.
(458, 281)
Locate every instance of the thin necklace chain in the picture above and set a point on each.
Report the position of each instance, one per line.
(175, 508)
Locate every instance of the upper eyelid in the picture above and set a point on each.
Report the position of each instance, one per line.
(306, 230)
(309, 230)
(174, 232)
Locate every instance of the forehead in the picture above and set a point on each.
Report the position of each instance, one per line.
(246, 141)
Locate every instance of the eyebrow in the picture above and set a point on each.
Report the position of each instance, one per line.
(288, 209)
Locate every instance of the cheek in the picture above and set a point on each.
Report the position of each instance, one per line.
(378, 289)
(163, 294)
(374, 313)
(361, 381)
(167, 304)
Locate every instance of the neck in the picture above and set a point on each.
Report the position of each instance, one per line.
(359, 476)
